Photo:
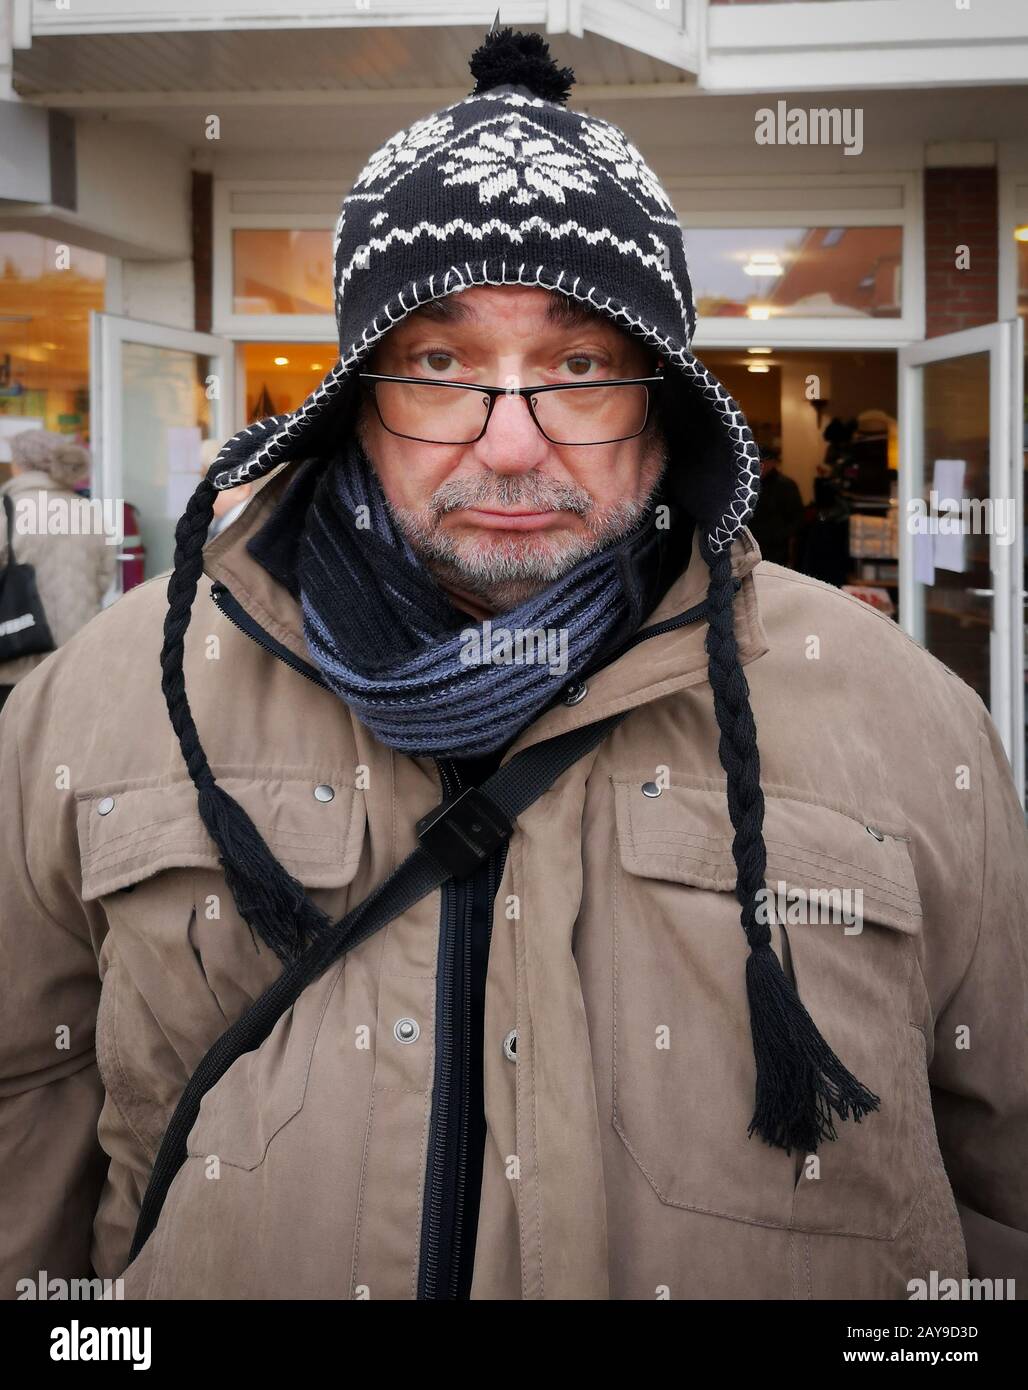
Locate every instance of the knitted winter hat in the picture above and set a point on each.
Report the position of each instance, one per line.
(508, 187)
(65, 461)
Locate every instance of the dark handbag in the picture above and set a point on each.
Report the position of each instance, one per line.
(24, 630)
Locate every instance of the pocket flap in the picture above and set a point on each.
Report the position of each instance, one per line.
(685, 835)
(130, 831)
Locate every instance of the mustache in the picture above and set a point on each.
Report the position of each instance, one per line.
(512, 490)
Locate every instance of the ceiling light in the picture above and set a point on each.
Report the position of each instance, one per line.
(758, 367)
(763, 263)
(281, 361)
(758, 311)
(765, 351)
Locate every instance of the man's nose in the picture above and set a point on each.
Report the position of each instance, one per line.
(512, 443)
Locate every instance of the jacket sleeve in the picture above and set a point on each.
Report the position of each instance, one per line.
(980, 1067)
(51, 1162)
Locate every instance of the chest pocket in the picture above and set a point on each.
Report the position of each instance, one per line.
(179, 964)
(683, 1059)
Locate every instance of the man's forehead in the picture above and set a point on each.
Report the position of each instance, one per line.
(475, 311)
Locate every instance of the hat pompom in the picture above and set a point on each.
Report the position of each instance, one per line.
(522, 60)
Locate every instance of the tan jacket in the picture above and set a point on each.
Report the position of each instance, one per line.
(617, 1163)
(73, 572)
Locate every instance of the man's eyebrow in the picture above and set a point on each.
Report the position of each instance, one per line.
(561, 310)
(448, 310)
(569, 312)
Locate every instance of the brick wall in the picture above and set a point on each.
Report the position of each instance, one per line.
(960, 209)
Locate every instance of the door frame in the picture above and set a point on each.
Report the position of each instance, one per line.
(107, 333)
(1004, 343)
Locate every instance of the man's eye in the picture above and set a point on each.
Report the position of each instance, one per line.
(438, 360)
(579, 363)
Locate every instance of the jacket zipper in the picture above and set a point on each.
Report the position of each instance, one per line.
(446, 1235)
(234, 611)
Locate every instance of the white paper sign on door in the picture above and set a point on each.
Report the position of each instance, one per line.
(950, 550)
(924, 558)
(183, 447)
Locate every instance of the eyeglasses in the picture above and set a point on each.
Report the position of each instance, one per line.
(450, 412)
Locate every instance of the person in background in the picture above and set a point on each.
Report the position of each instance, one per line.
(228, 504)
(778, 514)
(73, 572)
(228, 507)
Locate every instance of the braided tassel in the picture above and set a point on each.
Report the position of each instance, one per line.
(800, 1081)
(269, 899)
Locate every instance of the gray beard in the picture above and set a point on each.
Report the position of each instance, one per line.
(502, 574)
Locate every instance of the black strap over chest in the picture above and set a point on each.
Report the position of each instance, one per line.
(454, 838)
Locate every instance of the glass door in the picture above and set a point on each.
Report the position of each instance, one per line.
(161, 403)
(962, 510)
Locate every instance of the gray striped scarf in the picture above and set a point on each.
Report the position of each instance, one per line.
(427, 679)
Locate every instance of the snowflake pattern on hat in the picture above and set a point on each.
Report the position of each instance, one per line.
(520, 163)
(608, 143)
(401, 150)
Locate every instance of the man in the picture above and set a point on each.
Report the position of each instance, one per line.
(778, 513)
(297, 1011)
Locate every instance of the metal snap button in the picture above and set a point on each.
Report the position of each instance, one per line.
(106, 805)
(406, 1030)
(650, 789)
(576, 693)
(874, 832)
(510, 1046)
(324, 792)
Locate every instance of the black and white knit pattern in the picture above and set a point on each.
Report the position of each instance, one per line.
(505, 188)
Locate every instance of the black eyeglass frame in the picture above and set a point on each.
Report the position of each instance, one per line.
(494, 392)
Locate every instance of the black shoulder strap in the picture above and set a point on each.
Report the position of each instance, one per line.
(9, 510)
(454, 839)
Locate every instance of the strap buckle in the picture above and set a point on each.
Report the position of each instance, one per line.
(462, 833)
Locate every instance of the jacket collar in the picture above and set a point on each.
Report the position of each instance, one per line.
(662, 664)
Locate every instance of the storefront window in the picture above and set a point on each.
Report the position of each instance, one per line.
(47, 289)
(795, 272)
(280, 376)
(281, 271)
